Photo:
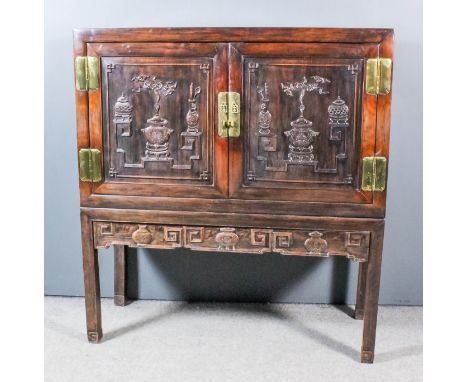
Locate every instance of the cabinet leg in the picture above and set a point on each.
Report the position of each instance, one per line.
(361, 292)
(91, 282)
(120, 259)
(371, 297)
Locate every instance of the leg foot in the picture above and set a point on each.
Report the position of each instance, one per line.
(359, 314)
(94, 337)
(120, 300)
(367, 356)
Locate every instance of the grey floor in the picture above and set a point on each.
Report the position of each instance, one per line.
(171, 341)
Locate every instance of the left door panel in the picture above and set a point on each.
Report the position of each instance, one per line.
(153, 118)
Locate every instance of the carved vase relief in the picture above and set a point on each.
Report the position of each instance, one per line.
(227, 239)
(166, 143)
(142, 235)
(316, 140)
(316, 245)
(264, 116)
(192, 117)
(302, 134)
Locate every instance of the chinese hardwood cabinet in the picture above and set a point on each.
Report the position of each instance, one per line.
(242, 140)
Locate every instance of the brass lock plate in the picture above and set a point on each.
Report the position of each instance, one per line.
(228, 114)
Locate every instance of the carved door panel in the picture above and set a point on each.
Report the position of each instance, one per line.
(306, 123)
(153, 119)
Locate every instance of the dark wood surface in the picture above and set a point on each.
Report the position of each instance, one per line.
(120, 275)
(290, 184)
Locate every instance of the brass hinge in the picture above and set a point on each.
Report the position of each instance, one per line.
(374, 173)
(378, 76)
(228, 114)
(86, 73)
(90, 165)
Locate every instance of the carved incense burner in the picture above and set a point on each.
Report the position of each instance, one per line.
(266, 142)
(302, 135)
(157, 133)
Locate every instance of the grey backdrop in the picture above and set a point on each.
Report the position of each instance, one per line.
(200, 276)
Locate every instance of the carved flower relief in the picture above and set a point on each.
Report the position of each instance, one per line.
(316, 245)
(142, 235)
(227, 239)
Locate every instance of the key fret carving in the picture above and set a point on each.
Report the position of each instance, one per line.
(353, 245)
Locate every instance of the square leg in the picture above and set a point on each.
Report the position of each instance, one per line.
(120, 275)
(361, 292)
(91, 282)
(371, 297)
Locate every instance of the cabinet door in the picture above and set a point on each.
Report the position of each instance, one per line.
(307, 122)
(153, 118)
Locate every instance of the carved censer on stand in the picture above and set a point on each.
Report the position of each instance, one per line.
(302, 135)
(157, 132)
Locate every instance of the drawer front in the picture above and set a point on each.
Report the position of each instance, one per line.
(320, 243)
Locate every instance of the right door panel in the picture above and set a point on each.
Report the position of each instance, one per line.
(306, 122)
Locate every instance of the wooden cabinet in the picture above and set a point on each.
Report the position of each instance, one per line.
(236, 140)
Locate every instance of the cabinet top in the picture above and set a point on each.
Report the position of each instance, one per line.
(320, 35)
